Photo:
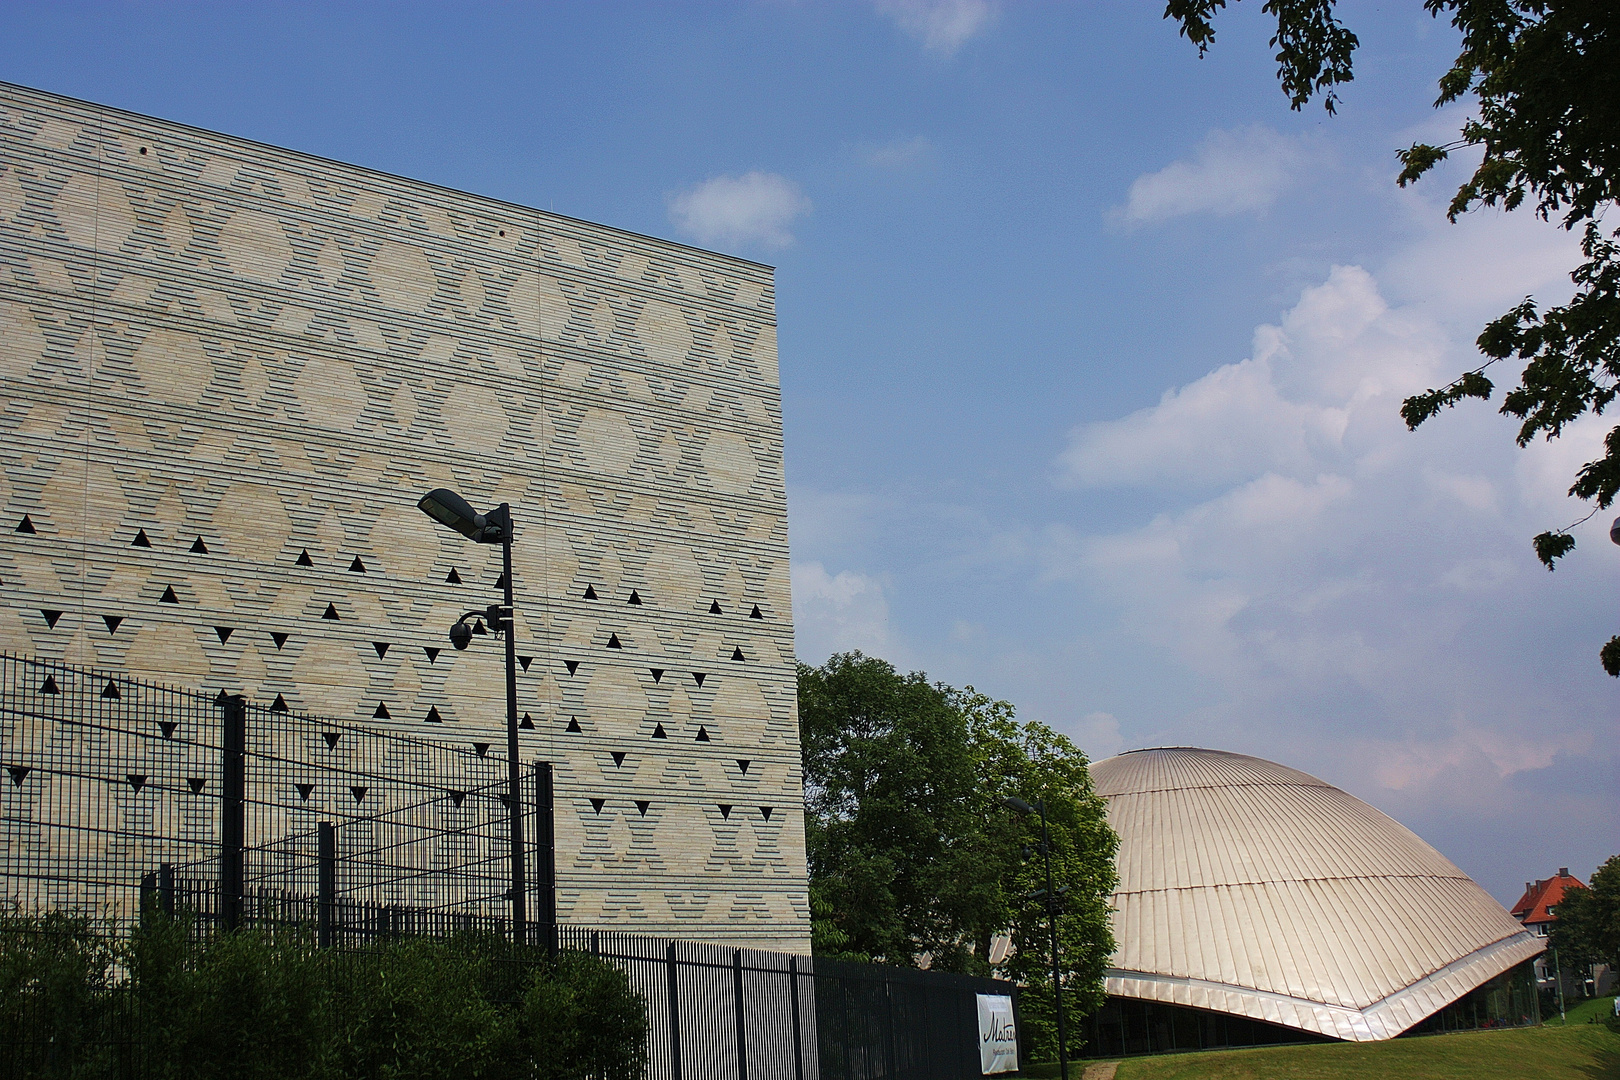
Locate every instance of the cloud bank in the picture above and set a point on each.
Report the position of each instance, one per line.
(755, 208)
(1359, 600)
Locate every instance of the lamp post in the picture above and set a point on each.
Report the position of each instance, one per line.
(495, 527)
(1039, 807)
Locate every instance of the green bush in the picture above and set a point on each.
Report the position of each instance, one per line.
(160, 1003)
(56, 999)
(582, 1020)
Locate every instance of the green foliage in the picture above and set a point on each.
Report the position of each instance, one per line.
(888, 822)
(1587, 928)
(55, 976)
(912, 851)
(584, 1021)
(252, 1004)
(1543, 76)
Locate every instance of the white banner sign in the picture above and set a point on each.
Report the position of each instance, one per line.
(998, 1036)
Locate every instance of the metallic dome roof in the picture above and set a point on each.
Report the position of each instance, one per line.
(1250, 888)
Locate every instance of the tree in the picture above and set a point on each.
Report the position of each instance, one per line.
(1037, 764)
(1544, 76)
(1587, 927)
(888, 785)
(911, 851)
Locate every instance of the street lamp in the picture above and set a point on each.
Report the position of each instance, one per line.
(1051, 898)
(495, 527)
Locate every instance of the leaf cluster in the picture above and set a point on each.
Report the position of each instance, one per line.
(914, 858)
(161, 1002)
(1544, 79)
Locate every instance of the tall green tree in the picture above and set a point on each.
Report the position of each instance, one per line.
(1039, 765)
(912, 851)
(1543, 77)
(888, 793)
(1587, 927)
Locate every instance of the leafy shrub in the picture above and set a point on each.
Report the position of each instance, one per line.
(249, 1004)
(581, 1019)
(55, 1000)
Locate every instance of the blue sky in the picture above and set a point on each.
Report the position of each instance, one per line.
(1091, 350)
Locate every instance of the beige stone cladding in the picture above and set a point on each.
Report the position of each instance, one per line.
(227, 372)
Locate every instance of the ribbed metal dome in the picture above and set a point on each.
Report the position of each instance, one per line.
(1250, 888)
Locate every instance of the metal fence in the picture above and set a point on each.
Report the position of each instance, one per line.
(119, 794)
(108, 777)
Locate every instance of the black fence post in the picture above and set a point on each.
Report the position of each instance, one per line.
(793, 995)
(325, 880)
(546, 853)
(233, 808)
(742, 1018)
(674, 1015)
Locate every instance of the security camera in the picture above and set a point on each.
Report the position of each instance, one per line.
(461, 636)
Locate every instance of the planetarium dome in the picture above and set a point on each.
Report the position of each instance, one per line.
(1250, 889)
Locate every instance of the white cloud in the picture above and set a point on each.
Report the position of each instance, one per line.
(897, 154)
(755, 208)
(838, 613)
(1297, 406)
(942, 26)
(1231, 172)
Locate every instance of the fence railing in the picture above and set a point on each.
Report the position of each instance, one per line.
(106, 777)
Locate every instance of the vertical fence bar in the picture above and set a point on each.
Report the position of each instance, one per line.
(674, 1015)
(742, 1017)
(233, 808)
(793, 996)
(166, 887)
(325, 880)
(546, 853)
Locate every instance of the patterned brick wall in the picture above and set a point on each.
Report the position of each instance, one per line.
(227, 372)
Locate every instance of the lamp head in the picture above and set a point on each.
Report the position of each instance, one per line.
(461, 636)
(448, 508)
(1018, 804)
(1614, 531)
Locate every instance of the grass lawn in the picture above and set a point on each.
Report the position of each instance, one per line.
(1583, 1011)
(1577, 1052)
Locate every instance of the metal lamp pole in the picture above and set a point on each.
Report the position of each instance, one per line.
(1039, 807)
(448, 508)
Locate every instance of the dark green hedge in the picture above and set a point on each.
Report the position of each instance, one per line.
(155, 1002)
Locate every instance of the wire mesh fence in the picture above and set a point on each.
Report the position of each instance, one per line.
(109, 779)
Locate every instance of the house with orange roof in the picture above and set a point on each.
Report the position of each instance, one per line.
(1536, 907)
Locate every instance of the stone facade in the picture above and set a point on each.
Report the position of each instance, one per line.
(228, 371)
